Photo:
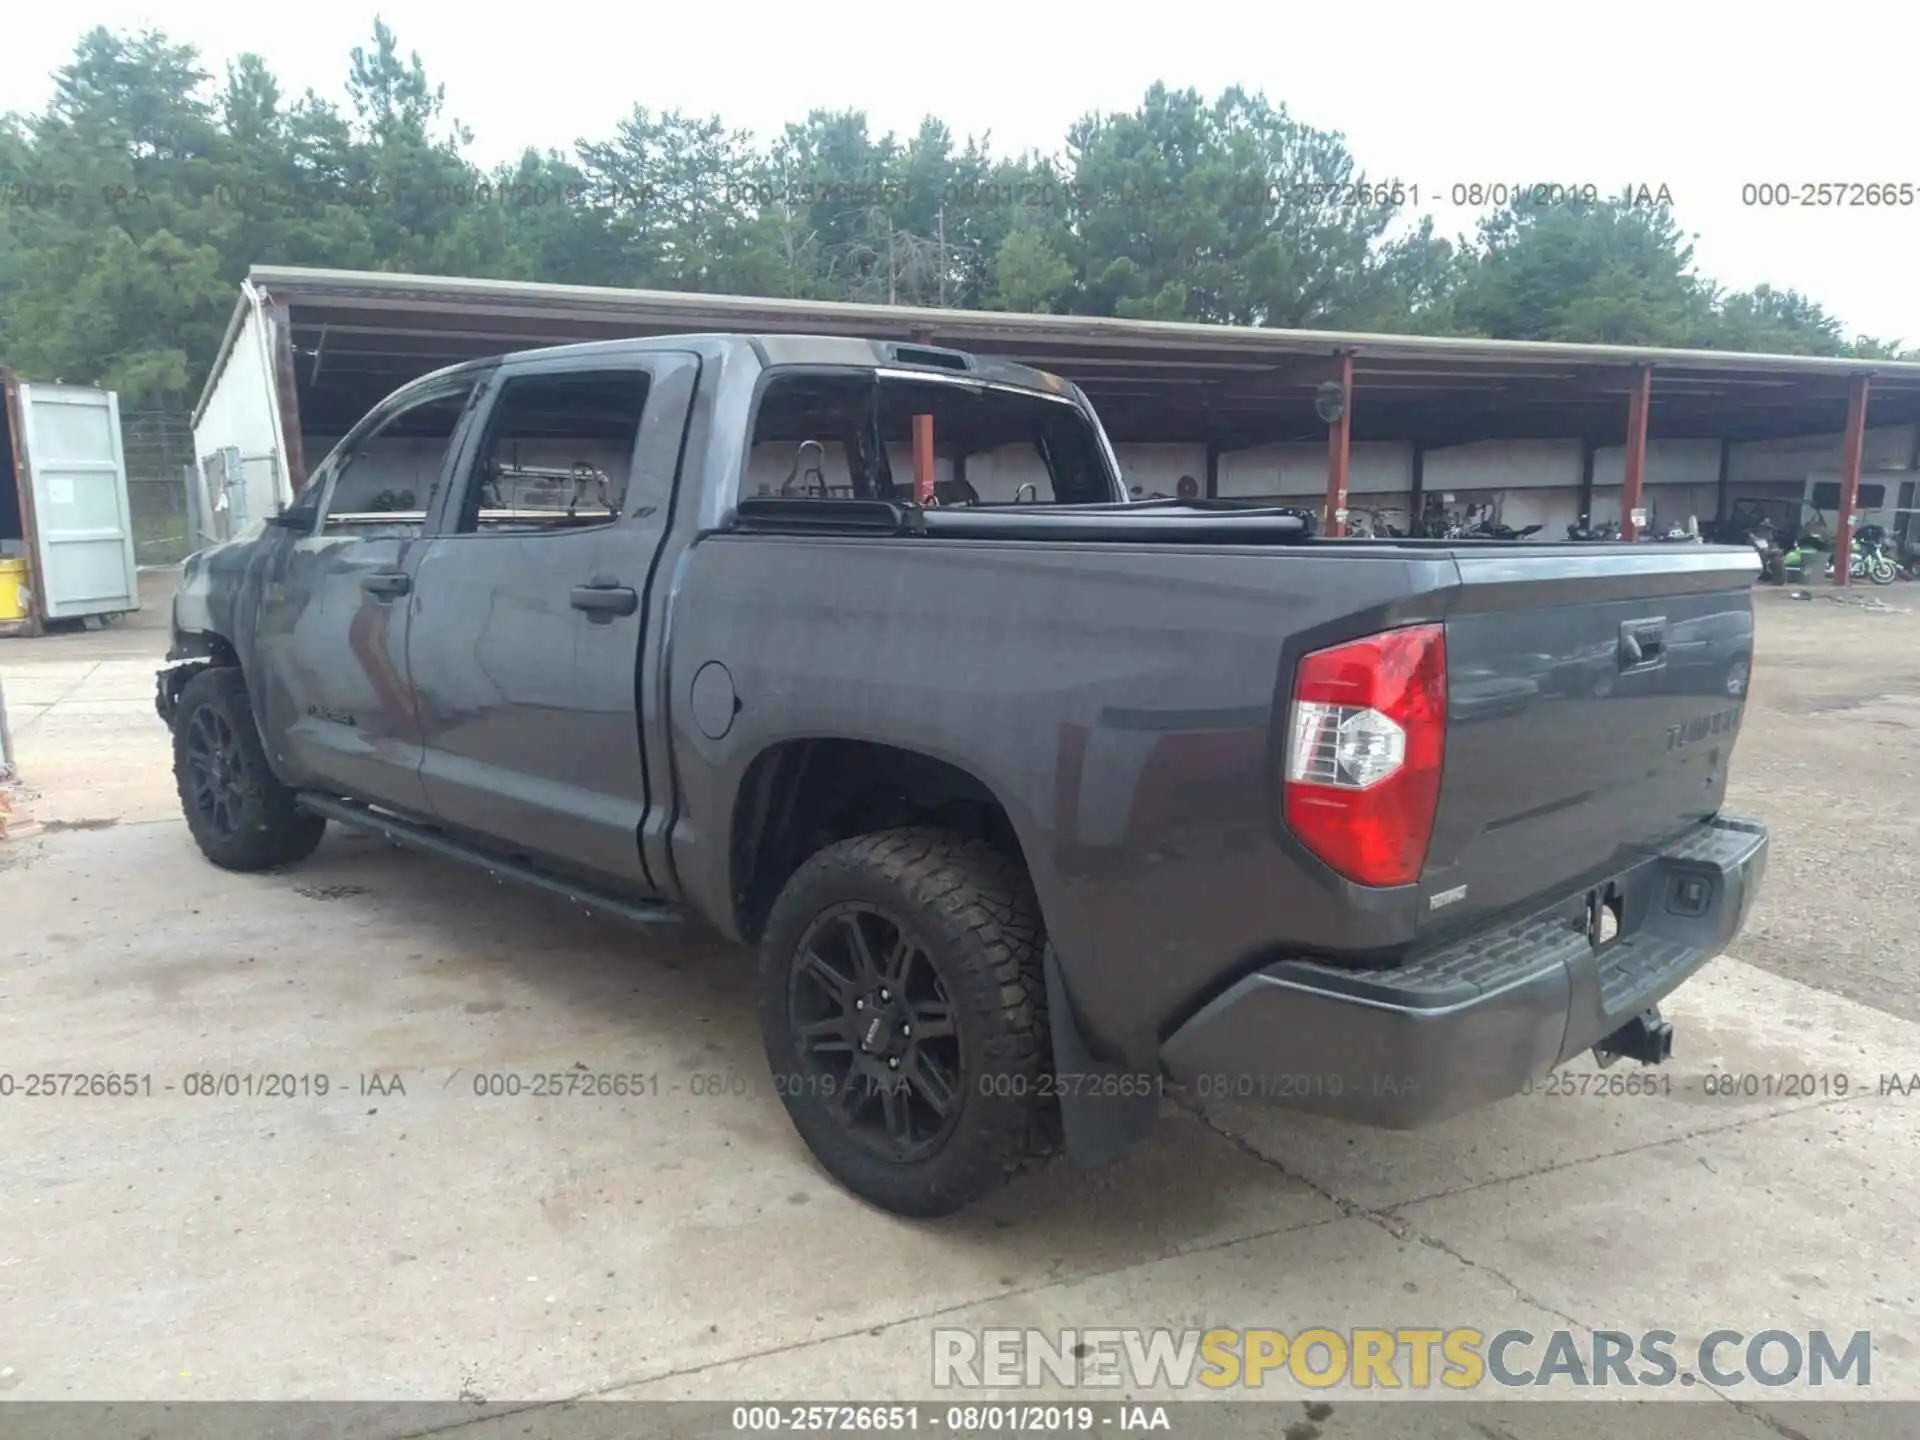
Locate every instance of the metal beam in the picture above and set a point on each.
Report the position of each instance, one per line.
(1213, 470)
(1723, 488)
(1904, 515)
(1585, 508)
(287, 391)
(1338, 445)
(923, 459)
(1638, 404)
(1303, 370)
(1416, 498)
(1852, 445)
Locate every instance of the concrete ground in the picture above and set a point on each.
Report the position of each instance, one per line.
(401, 1237)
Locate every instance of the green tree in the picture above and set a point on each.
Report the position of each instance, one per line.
(672, 192)
(279, 187)
(1602, 272)
(1231, 212)
(144, 190)
(1029, 274)
(536, 220)
(1413, 284)
(1782, 322)
(110, 276)
(401, 165)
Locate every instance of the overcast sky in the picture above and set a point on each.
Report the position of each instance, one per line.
(1701, 98)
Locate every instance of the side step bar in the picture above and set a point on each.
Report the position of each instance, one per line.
(405, 832)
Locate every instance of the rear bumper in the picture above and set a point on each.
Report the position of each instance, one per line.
(1474, 1021)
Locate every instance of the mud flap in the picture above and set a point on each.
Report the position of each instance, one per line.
(1104, 1109)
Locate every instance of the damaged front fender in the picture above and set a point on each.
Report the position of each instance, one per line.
(172, 679)
(200, 604)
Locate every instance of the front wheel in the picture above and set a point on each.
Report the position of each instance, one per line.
(240, 815)
(1881, 570)
(903, 1008)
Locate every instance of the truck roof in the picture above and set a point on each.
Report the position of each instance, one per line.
(780, 350)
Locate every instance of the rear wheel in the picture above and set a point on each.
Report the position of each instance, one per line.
(903, 1008)
(240, 815)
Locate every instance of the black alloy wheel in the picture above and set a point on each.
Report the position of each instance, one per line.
(216, 768)
(240, 814)
(903, 1004)
(871, 1019)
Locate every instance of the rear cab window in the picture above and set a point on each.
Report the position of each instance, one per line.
(849, 435)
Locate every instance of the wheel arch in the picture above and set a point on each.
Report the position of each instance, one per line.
(192, 652)
(799, 795)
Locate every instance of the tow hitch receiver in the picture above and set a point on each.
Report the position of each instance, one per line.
(1646, 1038)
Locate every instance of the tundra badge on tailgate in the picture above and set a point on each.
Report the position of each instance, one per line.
(1720, 722)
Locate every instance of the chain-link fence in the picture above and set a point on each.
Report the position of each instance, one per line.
(159, 451)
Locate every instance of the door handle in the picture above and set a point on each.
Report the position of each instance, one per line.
(603, 602)
(1642, 643)
(386, 583)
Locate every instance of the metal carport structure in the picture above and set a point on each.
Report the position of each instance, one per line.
(340, 340)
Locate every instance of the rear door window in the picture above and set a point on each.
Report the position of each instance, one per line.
(558, 453)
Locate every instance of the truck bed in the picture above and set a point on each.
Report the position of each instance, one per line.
(1118, 677)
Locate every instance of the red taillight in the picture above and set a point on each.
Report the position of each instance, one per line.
(1365, 738)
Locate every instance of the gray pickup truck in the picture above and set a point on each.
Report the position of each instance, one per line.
(1036, 801)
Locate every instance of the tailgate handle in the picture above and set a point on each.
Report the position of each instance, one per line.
(1643, 643)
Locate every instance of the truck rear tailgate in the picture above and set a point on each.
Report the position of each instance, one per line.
(1593, 697)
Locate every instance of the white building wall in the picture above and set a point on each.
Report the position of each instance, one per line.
(1533, 481)
(1489, 465)
(1382, 471)
(1887, 447)
(1669, 462)
(1156, 467)
(1667, 506)
(1681, 484)
(1528, 482)
(240, 412)
(997, 475)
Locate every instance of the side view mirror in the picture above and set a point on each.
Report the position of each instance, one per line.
(300, 522)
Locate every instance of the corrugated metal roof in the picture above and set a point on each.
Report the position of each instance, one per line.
(748, 313)
(360, 333)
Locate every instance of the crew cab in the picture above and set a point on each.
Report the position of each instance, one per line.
(1035, 800)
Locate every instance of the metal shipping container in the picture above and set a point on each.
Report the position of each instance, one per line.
(64, 513)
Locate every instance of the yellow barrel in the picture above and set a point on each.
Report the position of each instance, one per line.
(13, 589)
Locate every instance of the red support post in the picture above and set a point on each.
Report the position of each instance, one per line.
(1852, 446)
(923, 459)
(1338, 434)
(1639, 402)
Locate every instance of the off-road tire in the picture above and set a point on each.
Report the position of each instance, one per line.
(256, 825)
(971, 910)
